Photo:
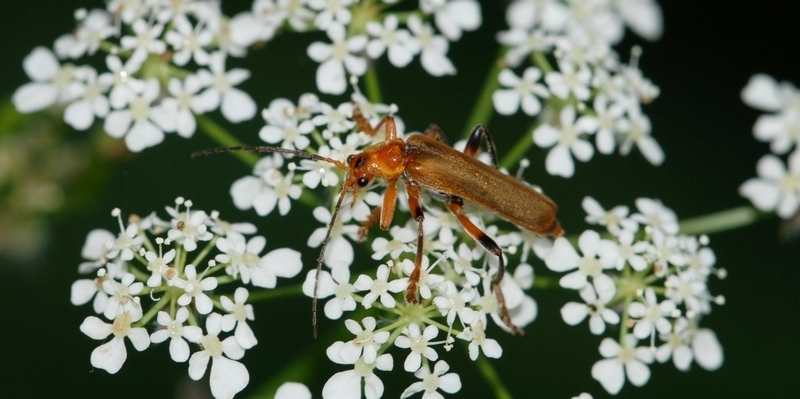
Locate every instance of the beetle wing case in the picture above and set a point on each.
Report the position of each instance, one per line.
(440, 168)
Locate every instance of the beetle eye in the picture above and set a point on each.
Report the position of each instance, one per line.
(363, 181)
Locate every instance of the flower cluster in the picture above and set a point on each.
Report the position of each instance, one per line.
(150, 274)
(166, 63)
(777, 188)
(648, 279)
(589, 92)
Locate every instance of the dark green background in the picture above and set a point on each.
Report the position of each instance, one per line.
(708, 53)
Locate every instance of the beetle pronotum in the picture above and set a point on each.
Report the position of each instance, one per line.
(425, 161)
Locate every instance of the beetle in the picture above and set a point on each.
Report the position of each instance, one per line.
(426, 161)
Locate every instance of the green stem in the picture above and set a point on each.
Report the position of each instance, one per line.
(541, 61)
(522, 146)
(225, 139)
(280, 292)
(373, 85)
(728, 219)
(490, 375)
(482, 112)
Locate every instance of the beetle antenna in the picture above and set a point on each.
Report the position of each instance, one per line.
(266, 148)
(321, 258)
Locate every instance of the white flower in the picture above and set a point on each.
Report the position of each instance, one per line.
(142, 124)
(779, 129)
(569, 80)
(629, 251)
(366, 343)
(319, 171)
(523, 41)
(707, 350)
(146, 39)
(687, 343)
(452, 302)
(188, 42)
(331, 12)
(520, 91)
(652, 315)
(98, 243)
(111, 355)
(51, 83)
(427, 280)
(621, 361)
(347, 384)
(188, 227)
(194, 289)
(453, 16)
(476, 335)
(228, 377)
(614, 219)
(238, 314)
(335, 57)
(418, 342)
(434, 48)
(569, 138)
(595, 306)
(120, 76)
(336, 283)
(402, 46)
(177, 333)
(82, 291)
(690, 289)
(336, 120)
(638, 133)
(339, 248)
(122, 297)
(92, 102)
(184, 103)
(95, 27)
(654, 214)
(235, 104)
(776, 188)
(401, 237)
(159, 267)
(563, 257)
(289, 131)
(379, 288)
(611, 119)
(449, 382)
(292, 390)
(643, 17)
(244, 260)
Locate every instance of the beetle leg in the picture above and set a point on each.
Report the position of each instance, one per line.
(366, 224)
(474, 142)
(456, 205)
(363, 123)
(433, 131)
(413, 192)
(389, 202)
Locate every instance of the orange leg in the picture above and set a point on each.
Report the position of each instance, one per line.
(433, 131)
(413, 192)
(363, 123)
(455, 205)
(368, 223)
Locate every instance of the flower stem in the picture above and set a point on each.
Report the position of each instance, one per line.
(274, 293)
(520, 148)
(225, 139)
(728, 219)
(482, 112)
(490, 375)
(373, 86)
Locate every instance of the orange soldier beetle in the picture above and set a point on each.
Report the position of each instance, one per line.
(426, 161)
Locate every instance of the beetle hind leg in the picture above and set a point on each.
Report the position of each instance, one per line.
(456, 205)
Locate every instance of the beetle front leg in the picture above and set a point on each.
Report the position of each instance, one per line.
(456, 205)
